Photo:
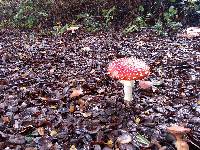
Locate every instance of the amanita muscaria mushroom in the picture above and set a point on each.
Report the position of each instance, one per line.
(127, 70)
(178, 132)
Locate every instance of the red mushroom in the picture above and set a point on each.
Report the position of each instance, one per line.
(178, 132)
(127, 70)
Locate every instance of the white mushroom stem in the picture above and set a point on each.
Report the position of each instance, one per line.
(128, 89)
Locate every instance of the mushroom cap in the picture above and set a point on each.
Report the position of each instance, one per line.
(177, 129)
(128, 69)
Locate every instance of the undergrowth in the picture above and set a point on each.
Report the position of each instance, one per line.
(164, 16)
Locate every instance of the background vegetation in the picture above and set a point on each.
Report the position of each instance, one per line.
(131, 15)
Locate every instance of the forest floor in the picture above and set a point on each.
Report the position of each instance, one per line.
(55, 92)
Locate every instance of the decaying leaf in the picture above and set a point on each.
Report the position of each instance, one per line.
(124, 138)
(86, 49)
(198, 102)
(109, 143)
(43, 98)
(5, 119)
(145, 84)
(87, 114)
(137, 120)
(73, 147)
(81, 104)
(71, 108)
(53, 106)
(53, 133)
(40, 131)
(76, 93)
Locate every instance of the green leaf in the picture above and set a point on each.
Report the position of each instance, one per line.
(172, 10)
(63, 29)
(141, 8)
(141, 139)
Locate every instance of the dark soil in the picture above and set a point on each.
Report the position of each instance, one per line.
(38, 75)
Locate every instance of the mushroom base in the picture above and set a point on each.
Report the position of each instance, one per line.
(128, 89)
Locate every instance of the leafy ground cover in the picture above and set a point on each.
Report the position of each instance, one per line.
(55, 92)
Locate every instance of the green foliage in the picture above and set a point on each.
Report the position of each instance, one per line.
(169, 22)
(169, 16)
(28, 14)
(59, 29)
(138, 22)
(108, 15)
(90, 22)
(93, 24)
(136, 25)
(165, 15)
(159, 28)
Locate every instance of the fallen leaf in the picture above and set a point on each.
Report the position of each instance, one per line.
(198, 102)
(31, 148)
(53, 106)
(71, 108)
(109, 143)
(145, 84)
(81, 104)
(137, 120)
(53, 133)
(101, 90)
(87, 114)
(40, 131)
(124, 139)
(73, 147)
(5, 119)
(43, 98)
(76, 93)
(86, 49)
(92, 71)
(51, 71)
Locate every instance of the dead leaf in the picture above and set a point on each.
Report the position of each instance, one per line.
(30, 148)
(76, 93)
(87, 114)
(92, 71)
(145, 84)
(109, 143)
(73, 147)
(137, 120)
(124, 138)
(53, 133)
(40, 131)
(5, 119)
(43, 98)
(71, 108)
(86, 49)
(53, 106)
(101, 90)
(198, 102)
(81, 104)
(140, 43)
(51, 71)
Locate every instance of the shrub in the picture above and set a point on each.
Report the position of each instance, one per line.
(97, 14)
